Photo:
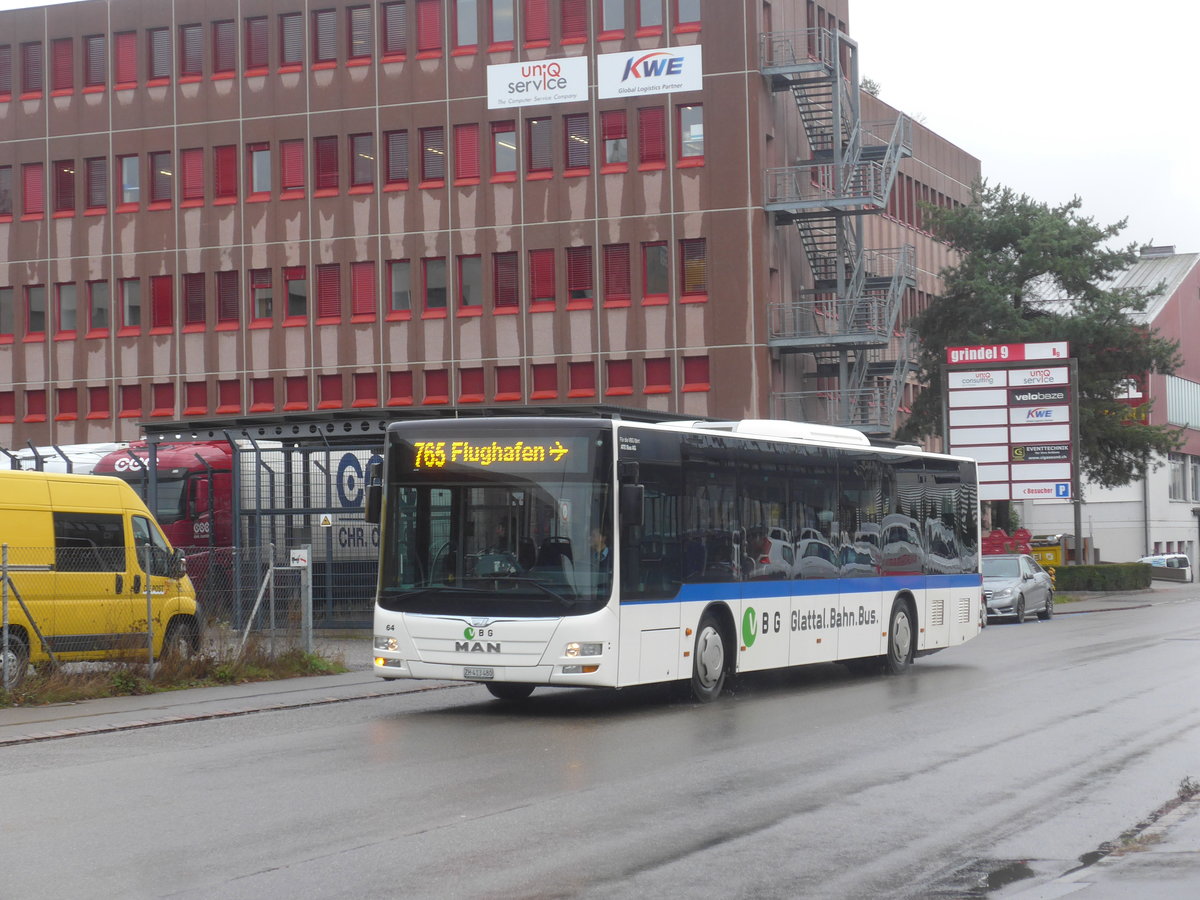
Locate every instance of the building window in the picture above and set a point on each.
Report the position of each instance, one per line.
(33, 190)
(191, 51)
(433, 155)
(466, 24)
(195, 398)
(574, 21)
(579, 277)
(125, 59)
(616, 275)
(295, 285)
(33, 67)
(64, 186)
(329, 392)
(504, 149)
(470, 282)
(508, 383)
(95, 65)
(362, 290)
(503, 31)
(541, 279)
(397, 157)
(161, 176)
(229, 299)
(693, 269)
(257, 53)
(62, 66)
(162, 303)
(67, 403)
(612, 16)
(68, 308)
(225, 178)
(1194, 477)
(437, 386)
(545, 381)
(325, 166)
(541, 151)
(5, 72)
(687, 13)
(291, 40)
(578, 133)
(193, 300)
(695, 373)
(224, 48)
(361, 38)
(619, 374)
(159, 48)
(652, 144)
(429, 27)
(99, 304)
(366, 389)
(658, 376)
(35, 406)
(229, 395)
(1176, 487)
(262, 298)
(262, 394)
(505, 281)
(6, 186)
(131, 400)
(616, 139)
(35, 310)
(191, 176)
(654, 272)
(650, 15)
(131, 182)
(291, 167)
(7, 315)
(466, 153)
(400, 388)
(537, 22)
(329, 292)
(395, 29)
(324, 36)
(362, 161)
(131, 304)
(99, 403)
(470, 385)
(581, 379)
(435, 284)
(399, 288)
(691, 132)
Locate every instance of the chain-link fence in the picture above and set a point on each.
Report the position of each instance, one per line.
(106, 602)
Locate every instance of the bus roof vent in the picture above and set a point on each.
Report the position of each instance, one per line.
(806, 431)
(909, 448)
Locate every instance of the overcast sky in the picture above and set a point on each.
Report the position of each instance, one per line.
(1056, 98)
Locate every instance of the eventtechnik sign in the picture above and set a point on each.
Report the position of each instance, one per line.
(1012, 408)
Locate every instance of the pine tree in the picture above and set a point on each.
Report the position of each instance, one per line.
(1030, 272)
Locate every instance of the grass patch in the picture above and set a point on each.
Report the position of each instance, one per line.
(91, 681)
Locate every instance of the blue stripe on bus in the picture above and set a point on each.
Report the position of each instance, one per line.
(758, 590)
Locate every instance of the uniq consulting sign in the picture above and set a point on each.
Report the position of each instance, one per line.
(537, 82)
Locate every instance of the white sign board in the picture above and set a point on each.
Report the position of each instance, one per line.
(298, 559)
(537, 82)
(636, 72)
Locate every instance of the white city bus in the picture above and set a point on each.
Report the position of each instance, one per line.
(520, 552)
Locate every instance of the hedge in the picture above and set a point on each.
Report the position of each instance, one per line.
(1107, 577)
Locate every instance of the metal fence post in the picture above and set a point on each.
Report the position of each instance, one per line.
(306, 601)
(271, 570)
(4, 615)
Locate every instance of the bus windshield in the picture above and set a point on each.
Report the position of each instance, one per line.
(497, 526)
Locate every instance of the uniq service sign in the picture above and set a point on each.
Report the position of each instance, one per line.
(664, 71)
(537, 82)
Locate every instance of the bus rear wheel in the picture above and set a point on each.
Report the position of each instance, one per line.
(507, 690)
(900, 643)
(709, 660)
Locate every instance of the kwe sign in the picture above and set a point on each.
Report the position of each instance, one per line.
(1016, 420)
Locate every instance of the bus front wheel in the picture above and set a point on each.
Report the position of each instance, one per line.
(709, 660)
(503, 690)
(900, 643)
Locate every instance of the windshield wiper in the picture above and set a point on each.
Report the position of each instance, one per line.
(525, 579)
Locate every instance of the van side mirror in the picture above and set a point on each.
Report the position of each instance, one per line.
(632, 504)
(374, 505)
(177, 565)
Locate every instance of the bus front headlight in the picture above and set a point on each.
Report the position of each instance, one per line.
(386, 643)
(577, 649)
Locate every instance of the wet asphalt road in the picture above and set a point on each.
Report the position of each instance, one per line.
(1035, 743)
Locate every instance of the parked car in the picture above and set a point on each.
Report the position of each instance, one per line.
(1169, 566)
(1014, 585)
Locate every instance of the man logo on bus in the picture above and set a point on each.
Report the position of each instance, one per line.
(749, 627)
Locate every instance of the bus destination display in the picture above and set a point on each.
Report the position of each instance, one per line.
(568, 455)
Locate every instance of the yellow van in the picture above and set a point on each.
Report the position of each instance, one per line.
(84, 553)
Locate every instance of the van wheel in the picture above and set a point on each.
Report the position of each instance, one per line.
(900, 641)
(182, 640)
(17, 660)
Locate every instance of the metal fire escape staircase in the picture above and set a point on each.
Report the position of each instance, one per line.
(847, 319)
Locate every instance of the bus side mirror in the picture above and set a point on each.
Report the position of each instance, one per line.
(632, 501)
(374, 492)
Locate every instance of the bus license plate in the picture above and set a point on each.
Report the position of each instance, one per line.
(479, 672)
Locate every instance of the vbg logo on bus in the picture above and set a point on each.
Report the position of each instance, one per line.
(813, 620)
